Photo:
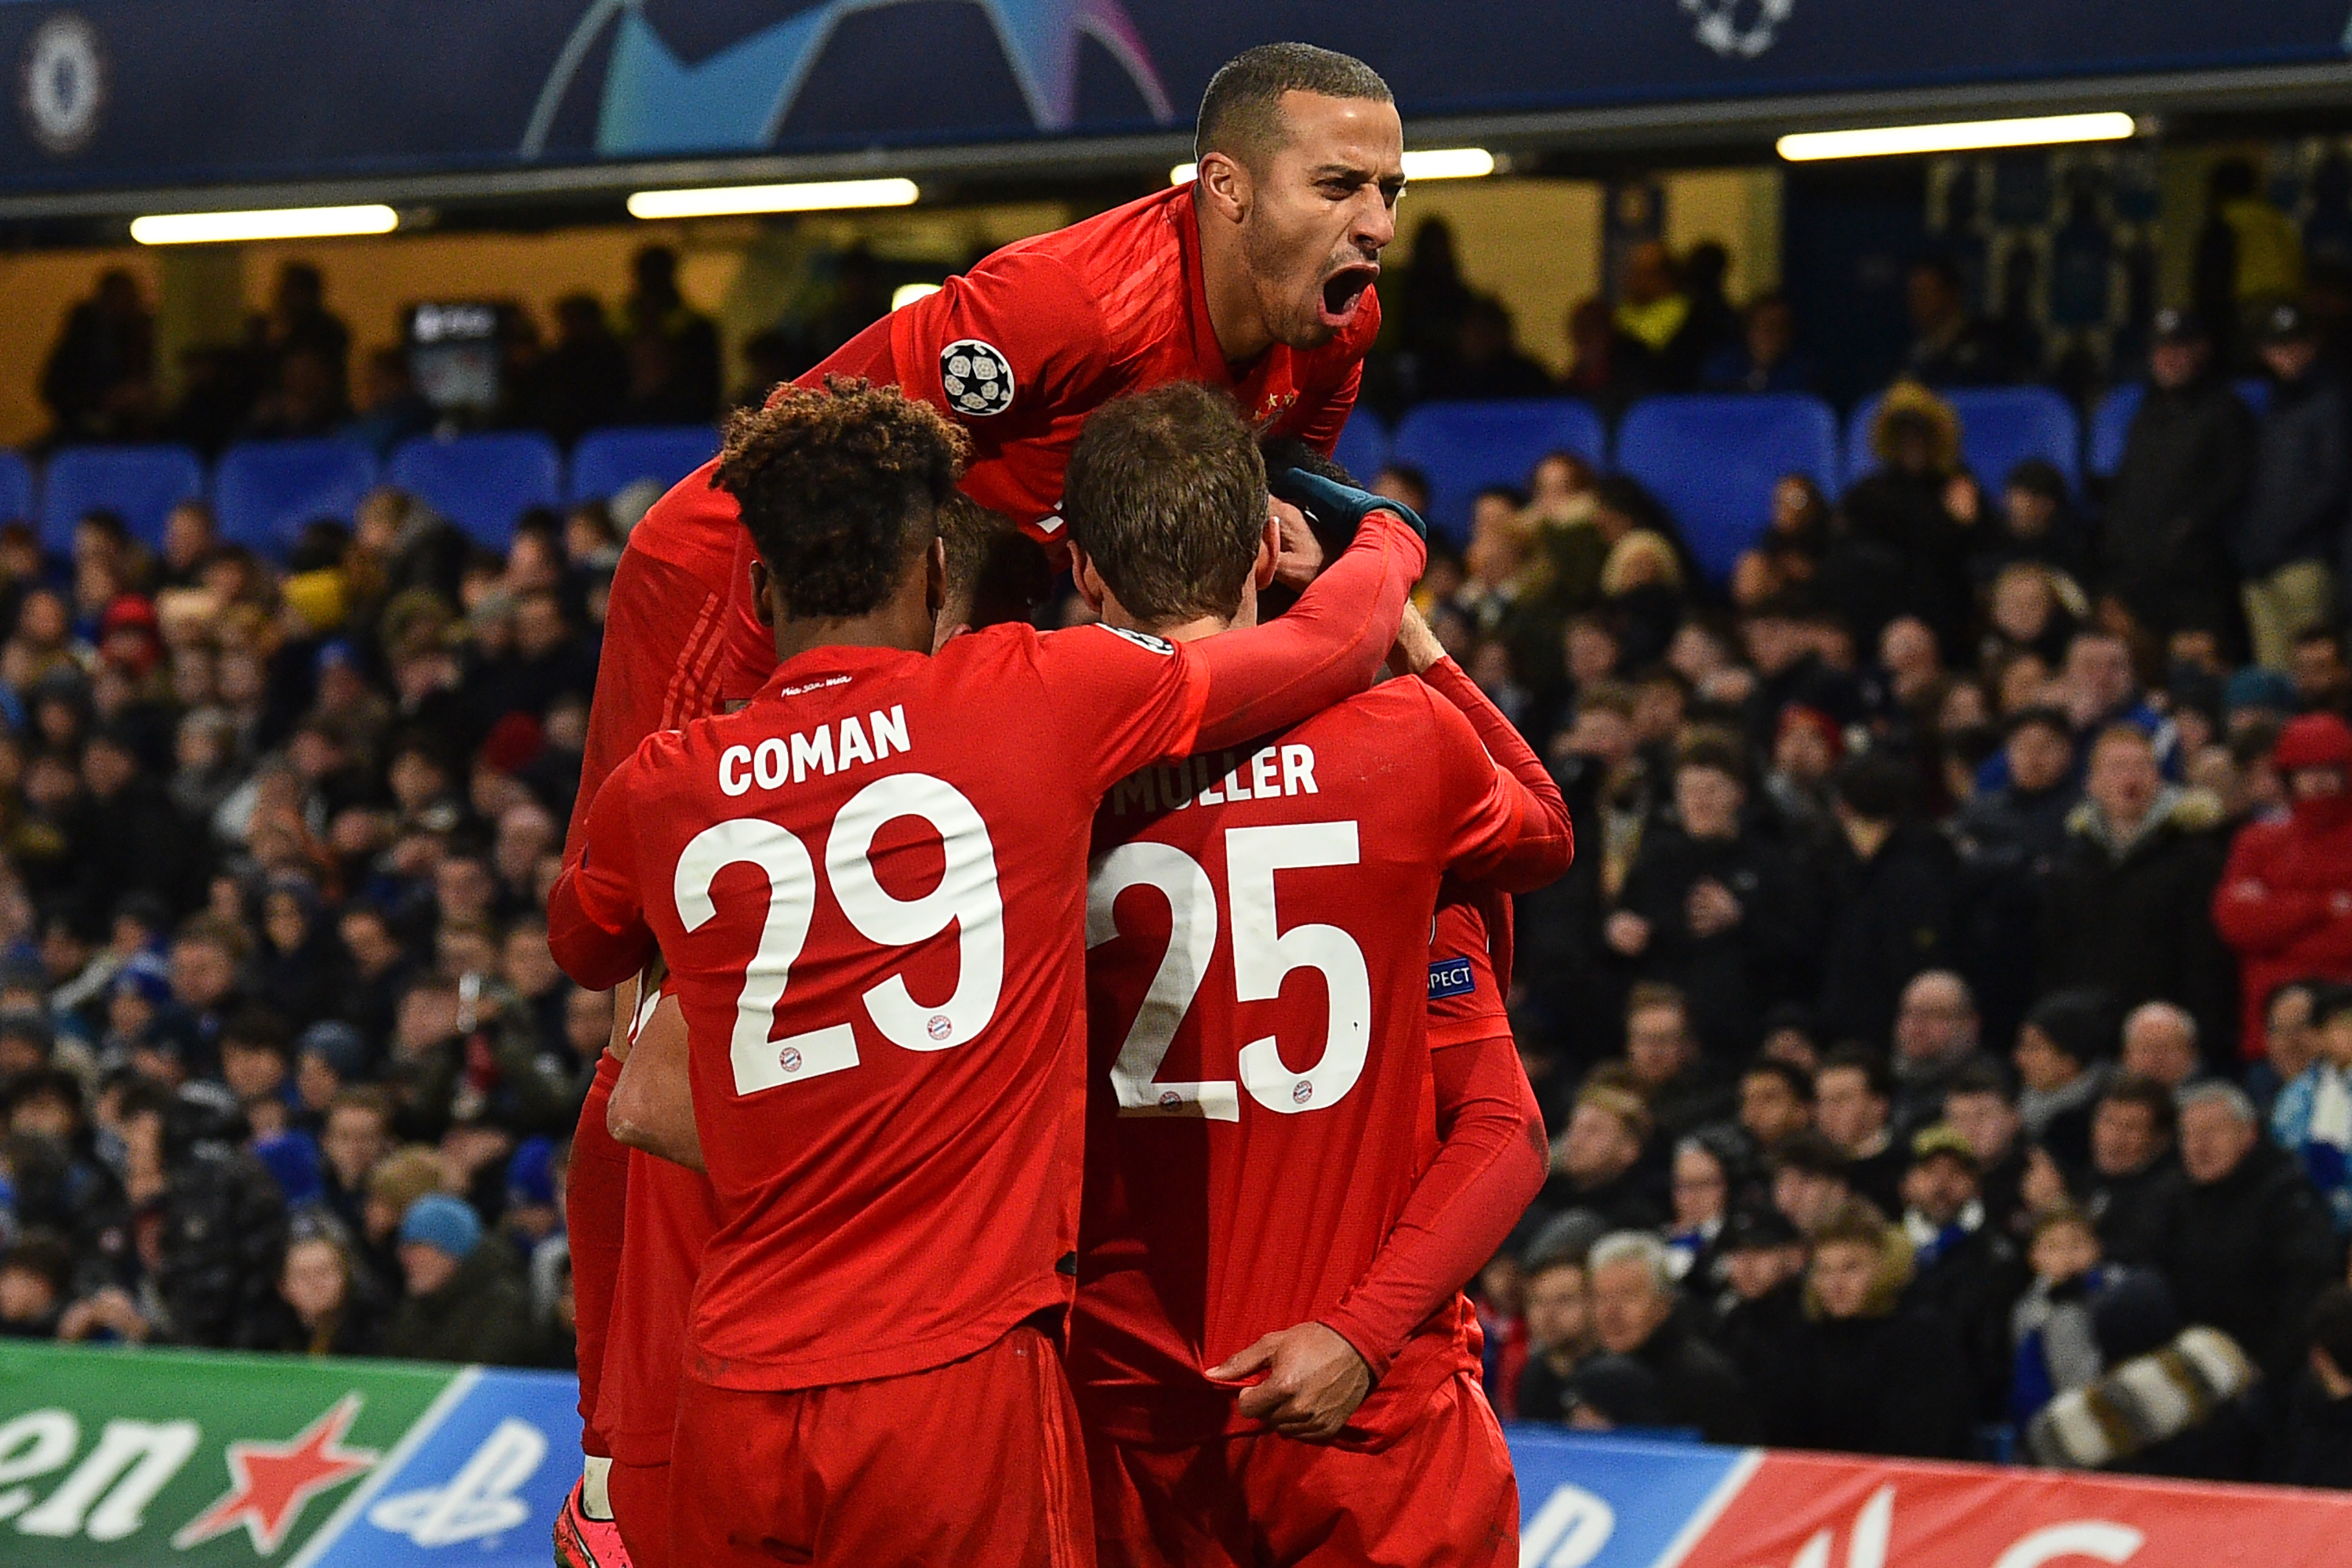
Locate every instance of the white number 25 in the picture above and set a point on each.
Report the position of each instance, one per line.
(1263, 955)
(967, 894)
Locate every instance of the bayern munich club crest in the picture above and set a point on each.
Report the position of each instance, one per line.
(977, 378)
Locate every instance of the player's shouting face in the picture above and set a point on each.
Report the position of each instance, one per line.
(1299, 187)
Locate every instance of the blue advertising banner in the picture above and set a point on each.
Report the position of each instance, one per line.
(125, 93)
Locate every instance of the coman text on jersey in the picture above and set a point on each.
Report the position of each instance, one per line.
(780, 760)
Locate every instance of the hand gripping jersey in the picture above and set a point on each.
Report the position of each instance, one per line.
(1261, 1107)
(1022, 348)
(869, 886)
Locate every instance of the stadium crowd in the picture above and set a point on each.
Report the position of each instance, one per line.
(1946, 1030)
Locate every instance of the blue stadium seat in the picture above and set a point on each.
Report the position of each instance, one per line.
(606, 461)
(2111, 421)
(15, 487)
(1466, 446)
(138, 484)
(1364, 446)
(482, 483)
(1713, 462)
(267, 491)
(2000, 426)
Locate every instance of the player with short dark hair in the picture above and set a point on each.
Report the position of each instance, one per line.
(1272, 1351)
(864, 883)
(1256, 277)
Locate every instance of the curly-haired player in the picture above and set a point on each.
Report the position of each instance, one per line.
(1256, 277)
(864, 884)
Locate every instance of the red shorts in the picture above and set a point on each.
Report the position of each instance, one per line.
(1441, 1496)
(640, 1499)
(971, 1465)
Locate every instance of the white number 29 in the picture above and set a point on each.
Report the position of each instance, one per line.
(1263, 955)
(967, 894)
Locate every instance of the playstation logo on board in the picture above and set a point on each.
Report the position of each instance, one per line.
(63, 84)
(1739, 30)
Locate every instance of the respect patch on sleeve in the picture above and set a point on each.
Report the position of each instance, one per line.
(1450, 977)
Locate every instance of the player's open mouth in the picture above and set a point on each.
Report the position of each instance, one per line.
(1344, 291)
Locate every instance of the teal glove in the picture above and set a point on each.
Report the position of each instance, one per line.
(1339, 508)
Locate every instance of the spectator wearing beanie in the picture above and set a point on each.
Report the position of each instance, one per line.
(2063, 1058)
(2188, 461)
(465, 1301)
(1963, 1270)
(2287, 538)
(2249, 1246)
(2284, 904)
(2126, 904)
(1758, 1321)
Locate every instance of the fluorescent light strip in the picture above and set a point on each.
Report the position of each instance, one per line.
(906, 294)
(808, 197)
(1434, 163)
(1960, 136)
(273, 223)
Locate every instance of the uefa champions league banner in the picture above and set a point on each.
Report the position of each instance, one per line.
(129, 1459)
(132, 1458)
(1605, 1502)
(137, 93)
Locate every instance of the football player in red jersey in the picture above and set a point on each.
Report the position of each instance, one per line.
(1256, 277)
(867, 885)
(1287, 1182)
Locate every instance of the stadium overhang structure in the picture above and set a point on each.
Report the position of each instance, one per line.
(538, 107)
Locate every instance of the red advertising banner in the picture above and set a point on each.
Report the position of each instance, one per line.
(1820, 1511)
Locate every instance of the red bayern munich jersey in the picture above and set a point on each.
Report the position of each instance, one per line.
(1040, 334)
(887, 852)
(1469, 966)
(1260, 1104)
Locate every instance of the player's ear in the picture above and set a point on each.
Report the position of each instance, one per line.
(760, 605)
(1087, 581)
(1269, 551)
(1224, 186)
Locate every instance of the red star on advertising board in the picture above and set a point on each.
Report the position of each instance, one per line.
(270, 1482)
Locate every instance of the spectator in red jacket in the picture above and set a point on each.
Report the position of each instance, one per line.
(2284, 903)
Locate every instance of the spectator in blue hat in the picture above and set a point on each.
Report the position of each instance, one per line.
(534, 1208)
(329, 1057)
(465, 1299)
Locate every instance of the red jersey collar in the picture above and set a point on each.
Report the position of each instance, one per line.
(812, 669)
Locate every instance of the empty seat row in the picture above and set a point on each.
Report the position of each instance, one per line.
(1712, 460)
(265, 492)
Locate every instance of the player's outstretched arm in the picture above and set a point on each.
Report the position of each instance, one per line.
(1327, 650)
(1490, 1163)
(653, 1104)
(1520, 837)
(595, 918)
